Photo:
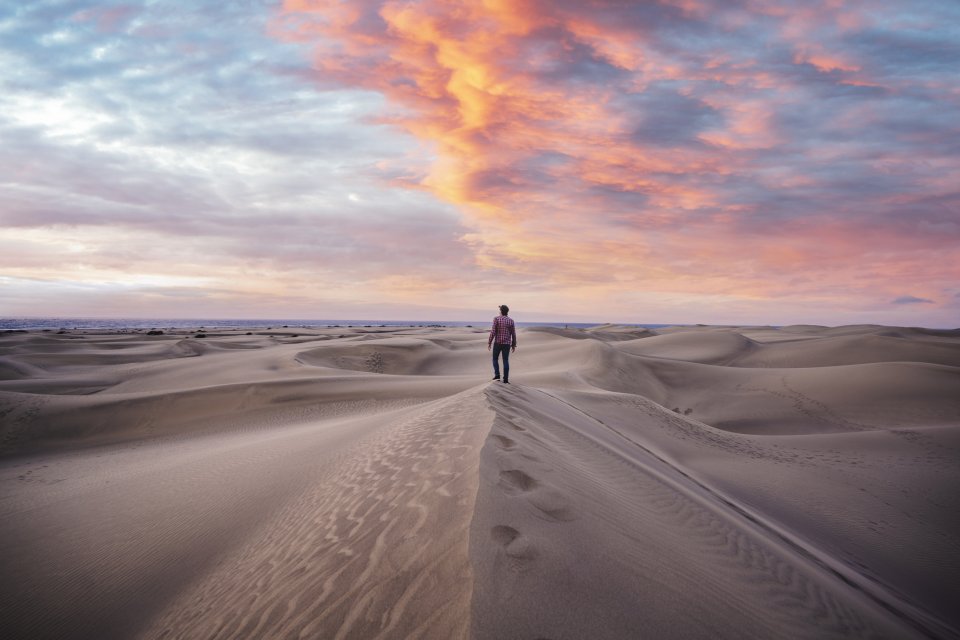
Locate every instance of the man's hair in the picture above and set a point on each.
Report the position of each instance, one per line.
(504, 309)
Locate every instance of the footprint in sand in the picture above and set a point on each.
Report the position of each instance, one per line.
(504, 442)
(550, 502)
(516, 481)
(516, 546)
(503, 535)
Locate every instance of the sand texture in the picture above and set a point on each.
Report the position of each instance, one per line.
(367, 482)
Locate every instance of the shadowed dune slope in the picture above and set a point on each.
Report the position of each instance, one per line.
(180, 386)
(395, 356)
(718, 347)
(856, 349)
(582, 530)
(786, 400)
(605, 333)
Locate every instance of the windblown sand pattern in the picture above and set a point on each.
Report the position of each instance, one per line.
(693, 482)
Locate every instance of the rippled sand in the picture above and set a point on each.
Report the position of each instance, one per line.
(694, 482)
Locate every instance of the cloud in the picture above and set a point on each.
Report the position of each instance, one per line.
(749, 149)
(590, 157)
(140, 142)
(911, 300)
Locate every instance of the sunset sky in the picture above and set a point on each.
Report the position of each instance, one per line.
(680, 161)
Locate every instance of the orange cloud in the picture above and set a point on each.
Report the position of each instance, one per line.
(472, 75)
(586, 147)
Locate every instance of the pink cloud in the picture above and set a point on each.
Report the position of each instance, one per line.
(658, 140)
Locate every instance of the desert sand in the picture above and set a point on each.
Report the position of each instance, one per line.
(366, 482)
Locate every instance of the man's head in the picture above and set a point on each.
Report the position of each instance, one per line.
(504, 309)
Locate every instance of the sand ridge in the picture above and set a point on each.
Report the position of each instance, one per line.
(688, 482)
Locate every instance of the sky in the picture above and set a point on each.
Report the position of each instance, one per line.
(671, 161)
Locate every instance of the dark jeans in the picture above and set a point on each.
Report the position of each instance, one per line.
(505, 350)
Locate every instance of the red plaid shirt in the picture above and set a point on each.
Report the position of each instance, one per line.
(503, 331)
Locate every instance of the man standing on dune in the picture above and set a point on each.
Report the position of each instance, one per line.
(503, 340)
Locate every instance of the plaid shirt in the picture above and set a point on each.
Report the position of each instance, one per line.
(503, 331)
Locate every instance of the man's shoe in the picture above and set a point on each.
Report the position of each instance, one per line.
(506, 382)
(496, 377)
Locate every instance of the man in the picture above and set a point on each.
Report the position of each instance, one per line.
(503, 340)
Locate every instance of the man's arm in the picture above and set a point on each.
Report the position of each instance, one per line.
(493, 332)
(513, 334)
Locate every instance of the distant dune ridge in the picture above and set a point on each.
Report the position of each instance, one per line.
(684, 482)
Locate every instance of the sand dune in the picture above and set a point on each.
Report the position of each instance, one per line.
(369, 482)
(719, 347)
